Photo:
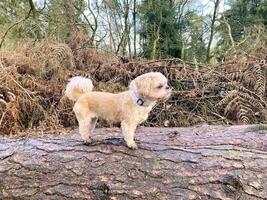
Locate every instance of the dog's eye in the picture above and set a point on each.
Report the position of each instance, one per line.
(160, 86)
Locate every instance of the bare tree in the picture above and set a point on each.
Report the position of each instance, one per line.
(95, 26)
(119, 25)
(94, 12)
(229, 31)
(125, 36)
(109, 19)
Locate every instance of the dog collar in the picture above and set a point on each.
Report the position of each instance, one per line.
(139, 101)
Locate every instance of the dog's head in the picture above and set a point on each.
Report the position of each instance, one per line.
(151, 86)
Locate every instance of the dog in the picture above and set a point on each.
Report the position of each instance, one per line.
(130, 107)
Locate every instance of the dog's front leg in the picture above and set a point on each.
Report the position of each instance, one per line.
(84, 129)
(128, 130)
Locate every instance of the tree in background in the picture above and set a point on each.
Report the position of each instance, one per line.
(70, 16)
(134, 26)
(119, 24)
(170, 29)
(148, 28)
(64, 17)
(196, 48)
(160, 32)
(242, 17)
(56, 20)
(246, 13)
(212, 30)
(14, 17)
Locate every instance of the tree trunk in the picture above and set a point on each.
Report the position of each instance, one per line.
(34, 15)
(229, 31)
(134, 26)
(70, 17)
(202, 162)
(126, 27)
(35, 18)
(154, 53)
(212, 27)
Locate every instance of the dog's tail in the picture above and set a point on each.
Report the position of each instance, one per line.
(77, 86)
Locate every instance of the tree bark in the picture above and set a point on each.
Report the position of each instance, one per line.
(202, 162)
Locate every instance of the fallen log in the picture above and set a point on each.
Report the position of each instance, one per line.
(201, 162)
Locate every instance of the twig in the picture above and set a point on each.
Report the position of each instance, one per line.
(222, 117)
(2, 117)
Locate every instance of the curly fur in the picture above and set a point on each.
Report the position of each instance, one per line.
(121, 107)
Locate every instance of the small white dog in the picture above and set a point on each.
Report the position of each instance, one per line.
(130, 108)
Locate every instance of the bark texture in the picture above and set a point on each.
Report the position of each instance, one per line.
(204, 162)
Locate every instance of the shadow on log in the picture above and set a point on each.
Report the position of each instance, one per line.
(202, 162)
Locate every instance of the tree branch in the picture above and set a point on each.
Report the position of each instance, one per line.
(13, 25)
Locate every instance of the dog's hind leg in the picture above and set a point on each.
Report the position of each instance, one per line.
(86, 127)
(87, 121)
(93, 123)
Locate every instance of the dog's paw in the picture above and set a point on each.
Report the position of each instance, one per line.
(87, 141)
(132, 145)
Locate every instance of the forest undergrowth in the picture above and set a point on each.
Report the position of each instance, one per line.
(34, 76)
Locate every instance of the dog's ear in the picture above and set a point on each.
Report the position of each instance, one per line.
(133, 86)
(141, 85)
